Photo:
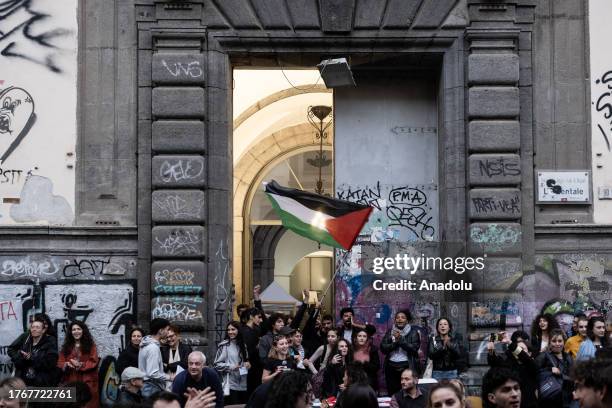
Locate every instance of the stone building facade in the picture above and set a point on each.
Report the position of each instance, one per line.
(149, 231)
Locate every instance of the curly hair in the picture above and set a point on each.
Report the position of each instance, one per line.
(349, 354)
(274, 317)
(536, 332)
(495, 378)
(287, 388)
(86, 339)
(406, 313)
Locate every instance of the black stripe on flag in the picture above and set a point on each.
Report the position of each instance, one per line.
(316, 202)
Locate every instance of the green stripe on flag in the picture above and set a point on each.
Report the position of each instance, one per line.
(299, 227)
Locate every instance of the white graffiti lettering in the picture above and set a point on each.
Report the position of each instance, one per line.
(180, 242)
(26, 268)
(178, 309)
(191, 69)
(180, 170)
(174, 277)
(177, 207)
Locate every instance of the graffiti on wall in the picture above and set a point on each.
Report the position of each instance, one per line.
(223, 290)
(582, 278)
(181, 309)
(495, 237)
(38, 44)
(401, 213)
(108, 310)
(26, 35)
(176, 280)
(603, 106)
(50, 268)
(496, 313)
(17, 116)
(16, 302)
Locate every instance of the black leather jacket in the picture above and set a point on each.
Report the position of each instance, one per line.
(409, 343)
(444, 358)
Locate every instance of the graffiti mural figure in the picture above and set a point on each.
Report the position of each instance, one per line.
(16, 119)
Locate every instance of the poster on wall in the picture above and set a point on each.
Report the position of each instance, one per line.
(38, 44)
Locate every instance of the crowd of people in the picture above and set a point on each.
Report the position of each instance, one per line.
(280, 361)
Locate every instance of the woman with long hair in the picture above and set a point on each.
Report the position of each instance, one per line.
(129, 356)
(232, 363)
(334, 371)
(278, 360)
(78, 359)
(35, 356)
(596, 339)
(366, 353)
(444, 351)
(555, 365)
(542, 325)
(325, 351)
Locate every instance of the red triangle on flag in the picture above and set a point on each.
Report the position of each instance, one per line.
(345, 229)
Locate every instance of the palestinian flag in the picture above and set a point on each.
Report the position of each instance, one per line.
(329, 221)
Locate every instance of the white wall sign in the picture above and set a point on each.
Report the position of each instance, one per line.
(564, 187)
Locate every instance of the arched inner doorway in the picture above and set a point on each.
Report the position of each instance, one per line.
(273, 140)
(278, 255)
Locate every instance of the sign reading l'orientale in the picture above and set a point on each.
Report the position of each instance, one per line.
(564, 187)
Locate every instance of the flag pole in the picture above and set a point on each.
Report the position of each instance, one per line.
(331, 281)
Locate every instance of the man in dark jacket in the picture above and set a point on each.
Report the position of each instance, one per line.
(517, 358)
(197, 377)
(410, 396)
(401, 346)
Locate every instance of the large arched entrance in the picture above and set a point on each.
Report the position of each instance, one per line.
(272, 140)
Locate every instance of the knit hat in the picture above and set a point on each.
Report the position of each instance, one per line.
(131, 373)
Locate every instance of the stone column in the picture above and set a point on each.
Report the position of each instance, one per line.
(179, 178)
(495, 170)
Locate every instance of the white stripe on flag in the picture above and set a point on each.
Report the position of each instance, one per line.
(308, 216)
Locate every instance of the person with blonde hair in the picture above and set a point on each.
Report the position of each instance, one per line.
(278, 360)
(445, 395)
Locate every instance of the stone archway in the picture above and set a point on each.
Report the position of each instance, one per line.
(253, 165)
